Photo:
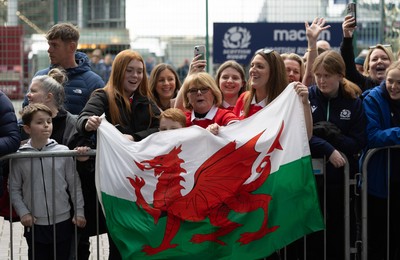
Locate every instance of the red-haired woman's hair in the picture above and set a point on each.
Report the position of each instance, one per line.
(115, 85)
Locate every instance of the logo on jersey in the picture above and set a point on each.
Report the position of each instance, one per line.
(313, 108)
(345, 114)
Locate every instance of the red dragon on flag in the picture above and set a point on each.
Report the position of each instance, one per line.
(188, 194)
(219, 188)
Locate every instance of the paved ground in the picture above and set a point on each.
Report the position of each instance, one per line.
(20, 248)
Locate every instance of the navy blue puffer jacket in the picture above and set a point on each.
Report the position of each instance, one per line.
(9, 130)
(80, 85)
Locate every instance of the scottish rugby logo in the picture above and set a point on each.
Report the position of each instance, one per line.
(237, 37)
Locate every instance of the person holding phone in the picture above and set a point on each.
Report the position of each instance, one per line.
(230, 79)
(382, 109)
(378, 59)
(199, 62)
(202, 98)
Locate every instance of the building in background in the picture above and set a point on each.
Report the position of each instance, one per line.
(102, 25)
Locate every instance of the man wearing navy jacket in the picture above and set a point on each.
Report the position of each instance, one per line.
(82, 81)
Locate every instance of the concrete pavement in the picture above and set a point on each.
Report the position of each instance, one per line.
(20, 248)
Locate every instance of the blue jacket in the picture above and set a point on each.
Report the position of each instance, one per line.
(380, 133)
(9, 131)
(80, 85)
(348, 115)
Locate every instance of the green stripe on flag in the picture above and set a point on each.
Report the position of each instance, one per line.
(294, 208)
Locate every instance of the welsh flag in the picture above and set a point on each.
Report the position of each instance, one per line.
(187, 194)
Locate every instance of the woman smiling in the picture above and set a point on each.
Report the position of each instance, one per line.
(203, 99)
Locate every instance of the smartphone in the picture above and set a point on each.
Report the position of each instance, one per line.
(200, 49)
(351, 10)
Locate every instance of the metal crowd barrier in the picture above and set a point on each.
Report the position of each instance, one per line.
(53, 155)
(319, 168)
(364, 193)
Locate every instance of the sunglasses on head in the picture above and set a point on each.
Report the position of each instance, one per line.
(265, 51)
(388, 46)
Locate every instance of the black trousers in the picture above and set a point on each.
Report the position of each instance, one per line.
(377, 225)
(42, 246)
(334, 227)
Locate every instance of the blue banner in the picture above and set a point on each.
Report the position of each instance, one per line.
(336, 2)
(239, 41)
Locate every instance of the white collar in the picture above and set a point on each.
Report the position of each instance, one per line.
(226, 104)
(262, 103)
(210, 114)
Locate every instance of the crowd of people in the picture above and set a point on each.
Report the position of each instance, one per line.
(346, 112)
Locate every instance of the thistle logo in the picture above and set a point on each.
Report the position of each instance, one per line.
(236, 43)
(345, 114)
(237, 37)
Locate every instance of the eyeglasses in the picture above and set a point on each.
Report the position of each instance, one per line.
(265, 51)
(194, 91)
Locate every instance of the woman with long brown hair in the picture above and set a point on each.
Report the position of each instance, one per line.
(267, 80)
(125, 103)
(124, 100)
(164, 85)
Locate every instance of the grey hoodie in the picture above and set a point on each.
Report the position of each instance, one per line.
(43, 197)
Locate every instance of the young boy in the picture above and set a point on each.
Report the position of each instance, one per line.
(33, 194)
(172, 118)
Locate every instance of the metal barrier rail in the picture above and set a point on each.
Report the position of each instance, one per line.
(322, 162)
(31, 155)
(319, 168)
(347, 182)
(364, 193)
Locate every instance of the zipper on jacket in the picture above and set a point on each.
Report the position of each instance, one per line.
(45, 193)
(328, 110)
